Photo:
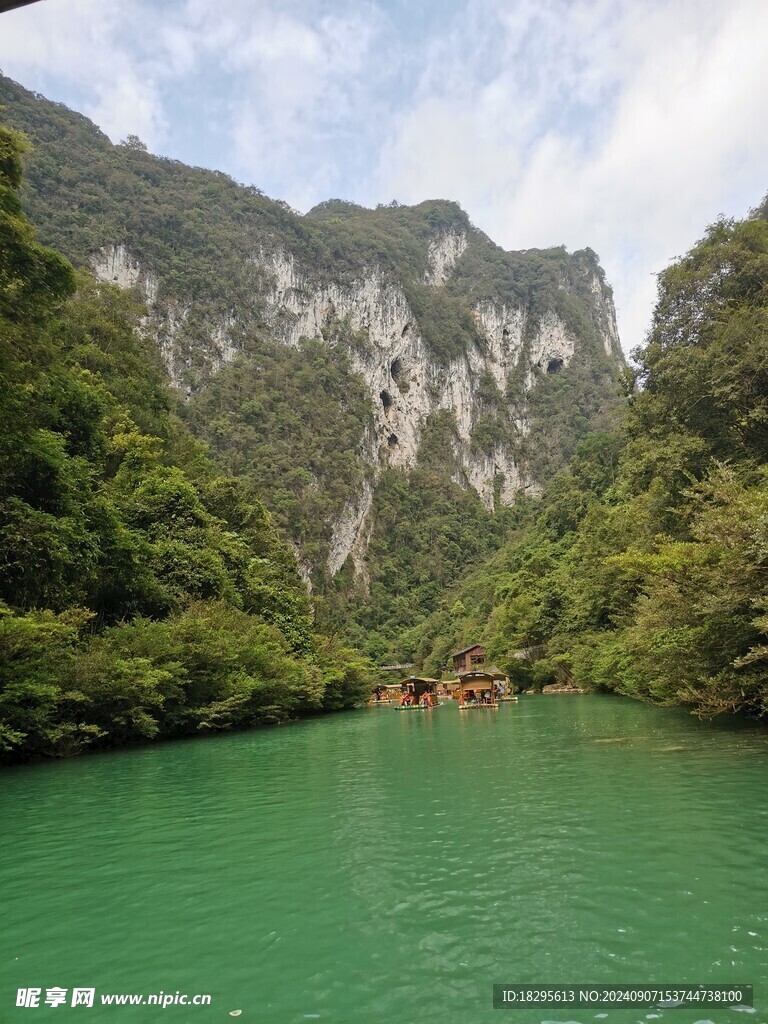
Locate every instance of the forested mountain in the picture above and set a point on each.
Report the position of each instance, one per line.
(143, 594)
(389, 381)
(227, 401)
(644, 567)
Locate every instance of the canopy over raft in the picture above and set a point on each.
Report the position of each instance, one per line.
(417, 686)
(479, 681)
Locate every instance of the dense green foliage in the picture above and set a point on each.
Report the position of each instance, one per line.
(564, 409)
(644, 567)
(142, 594)
(427, 531)
(293, 421)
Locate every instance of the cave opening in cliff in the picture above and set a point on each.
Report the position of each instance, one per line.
(392, 440)
(396, 368)
(405, 329)
(554, 365)
(386, 400)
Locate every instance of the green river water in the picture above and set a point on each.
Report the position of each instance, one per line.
(375, 866)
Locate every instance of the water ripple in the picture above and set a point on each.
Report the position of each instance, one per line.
(392, 868)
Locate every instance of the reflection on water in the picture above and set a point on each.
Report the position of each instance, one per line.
(383, 867)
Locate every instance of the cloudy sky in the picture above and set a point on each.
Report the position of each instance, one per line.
(625, 125)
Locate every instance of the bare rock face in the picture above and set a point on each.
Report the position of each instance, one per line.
(442, 254)
(115, 265)
(406, 381)
(351, 533)
(168, 320)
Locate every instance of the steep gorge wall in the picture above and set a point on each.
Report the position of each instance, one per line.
(406, 381)
(518, 350)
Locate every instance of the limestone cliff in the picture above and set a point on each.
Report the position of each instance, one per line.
(406, 381)
(519, 349)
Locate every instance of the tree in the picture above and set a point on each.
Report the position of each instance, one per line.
(135, 143)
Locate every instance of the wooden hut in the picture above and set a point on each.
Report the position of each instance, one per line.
(468, 658)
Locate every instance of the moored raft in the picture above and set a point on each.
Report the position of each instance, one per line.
(481, 688)
(385, 693)
(416, 689)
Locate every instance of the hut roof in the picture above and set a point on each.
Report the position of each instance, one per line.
(465, 649)
(486, 672)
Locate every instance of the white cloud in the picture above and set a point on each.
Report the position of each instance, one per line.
(129, 106)
(288, 79)
(300, 83)
(626, 127)
(84, 45)
(620, 125)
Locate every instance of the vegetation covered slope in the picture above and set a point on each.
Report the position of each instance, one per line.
(427, 531)
(644, 569)
(142, 593)
(296, 424)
